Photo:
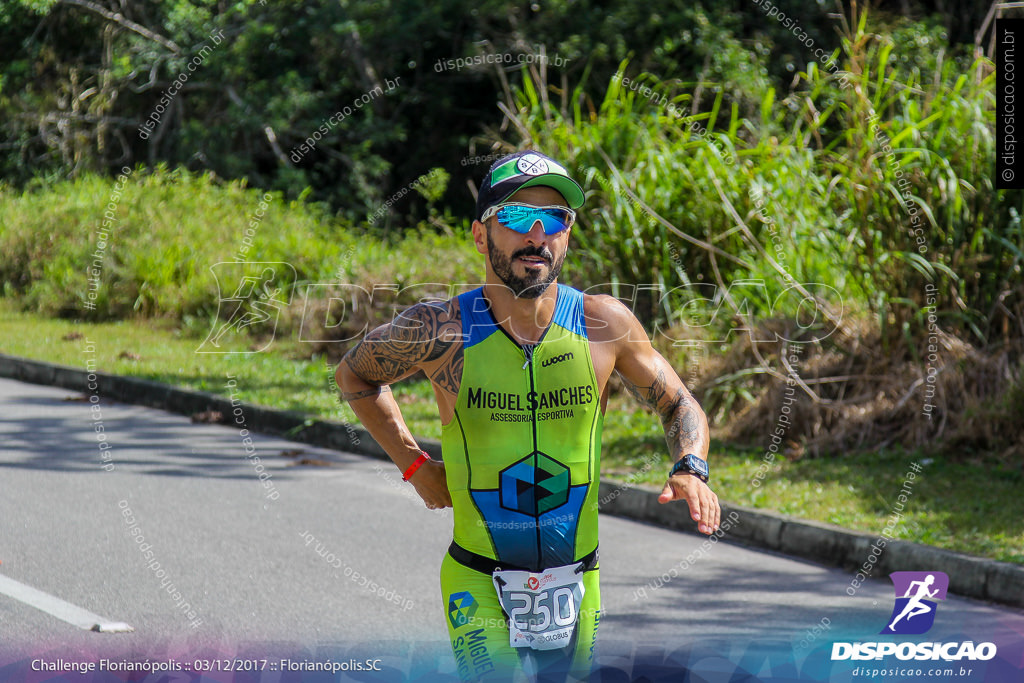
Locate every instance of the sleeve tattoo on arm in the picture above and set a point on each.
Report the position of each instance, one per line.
(450, 374)
(421, 334)
(682, 428)
(355, 395)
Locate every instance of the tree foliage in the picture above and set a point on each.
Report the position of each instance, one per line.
(79, 77)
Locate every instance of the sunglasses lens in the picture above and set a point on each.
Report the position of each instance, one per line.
(522, 218)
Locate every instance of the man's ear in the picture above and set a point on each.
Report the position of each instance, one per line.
(480, 237)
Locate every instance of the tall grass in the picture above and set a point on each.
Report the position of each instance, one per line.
(726, 222)
(857, 211)
(163, 232)
(910, 158)
(166, 230)
(825, 185)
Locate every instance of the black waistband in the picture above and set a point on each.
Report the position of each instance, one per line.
(486, 565)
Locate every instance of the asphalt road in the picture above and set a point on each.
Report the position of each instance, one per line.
(240, 573)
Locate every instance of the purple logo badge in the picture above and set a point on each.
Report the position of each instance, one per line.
(916, 595)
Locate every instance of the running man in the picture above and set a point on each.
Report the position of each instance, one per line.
(914, 606)
(520, 369)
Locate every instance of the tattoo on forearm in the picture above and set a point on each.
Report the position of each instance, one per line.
(656, 396)
(422, 334)
(684, 433)
(676, 410)
(356, 395)
(646, 395)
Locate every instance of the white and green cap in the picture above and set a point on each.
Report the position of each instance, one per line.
(526, 169)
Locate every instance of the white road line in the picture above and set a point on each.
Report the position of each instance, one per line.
(64, 611)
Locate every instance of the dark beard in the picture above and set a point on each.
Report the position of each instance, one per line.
(531, 286)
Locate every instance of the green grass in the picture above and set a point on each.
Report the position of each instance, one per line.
(155, 247)
(152, 238)
(972, 507)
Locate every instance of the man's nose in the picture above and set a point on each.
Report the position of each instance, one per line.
(536, 235)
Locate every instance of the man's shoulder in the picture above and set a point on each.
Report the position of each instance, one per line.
(606, 308)
(420, 334)
(421, 322)
(608, 319)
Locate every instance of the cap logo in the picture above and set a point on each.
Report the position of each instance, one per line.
(531, 164)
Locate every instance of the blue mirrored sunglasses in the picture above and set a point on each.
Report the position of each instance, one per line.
(522, 217)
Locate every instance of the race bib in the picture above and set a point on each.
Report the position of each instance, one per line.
(542, 607)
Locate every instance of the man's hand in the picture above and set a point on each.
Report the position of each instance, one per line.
(702, 500)
(432, 485)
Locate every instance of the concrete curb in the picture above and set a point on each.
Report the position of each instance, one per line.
(295, 426)
(969, 576)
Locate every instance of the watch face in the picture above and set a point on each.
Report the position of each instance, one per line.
(692, 464)
(697, 465)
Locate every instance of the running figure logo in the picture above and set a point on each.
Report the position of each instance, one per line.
(916, 593)
(258, 293)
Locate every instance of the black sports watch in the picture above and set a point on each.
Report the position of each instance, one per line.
(691, 464)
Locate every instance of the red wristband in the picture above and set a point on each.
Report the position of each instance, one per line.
(415, 466)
